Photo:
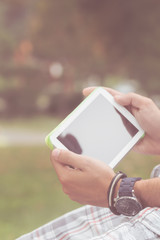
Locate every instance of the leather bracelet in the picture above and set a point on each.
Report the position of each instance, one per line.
(119, 175)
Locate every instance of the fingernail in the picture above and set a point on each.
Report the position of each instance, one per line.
(56, 153)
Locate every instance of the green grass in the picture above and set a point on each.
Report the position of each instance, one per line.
(30, 192)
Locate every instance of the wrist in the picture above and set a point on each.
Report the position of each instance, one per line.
(148, 192)
(126, 202)
(139, 192)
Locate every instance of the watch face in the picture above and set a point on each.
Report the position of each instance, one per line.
(128, 206)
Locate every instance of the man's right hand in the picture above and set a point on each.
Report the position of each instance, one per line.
(146, 113)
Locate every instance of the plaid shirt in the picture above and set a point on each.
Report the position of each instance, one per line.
(96, 223)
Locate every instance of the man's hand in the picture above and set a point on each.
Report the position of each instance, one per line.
(146, 113)
(84, 180)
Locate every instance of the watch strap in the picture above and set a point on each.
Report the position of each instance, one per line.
(126, 187)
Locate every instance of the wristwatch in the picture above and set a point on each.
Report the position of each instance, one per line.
(126, 202)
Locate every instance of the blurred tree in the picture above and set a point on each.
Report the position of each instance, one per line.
(129, 33)
(66, 37)
(106, 37)
(87, 37)
(13, 25)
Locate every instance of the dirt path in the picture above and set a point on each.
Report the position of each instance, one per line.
(21, 137)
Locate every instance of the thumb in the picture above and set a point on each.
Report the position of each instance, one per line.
(66, 157)
(88, 90)
(131, 99)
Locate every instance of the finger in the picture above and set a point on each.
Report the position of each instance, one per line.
(68, 158)
(87, 91)
(113, 92)
(131, 99)
(65, 173)
(59, 168)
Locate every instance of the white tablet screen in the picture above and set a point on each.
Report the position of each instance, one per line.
(100, 131)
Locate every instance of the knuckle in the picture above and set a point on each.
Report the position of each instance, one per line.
(73, 198)
(130, 94)
(148, 101)
(62, 179)
(65, 179)
(88, 163)
(65, 190)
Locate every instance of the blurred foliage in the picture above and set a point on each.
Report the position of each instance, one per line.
(91, 40)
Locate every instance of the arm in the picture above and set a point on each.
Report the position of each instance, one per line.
(148, 192)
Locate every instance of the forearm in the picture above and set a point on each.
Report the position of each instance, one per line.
(148, 192)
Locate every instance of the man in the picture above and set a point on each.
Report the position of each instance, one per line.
(89, 181)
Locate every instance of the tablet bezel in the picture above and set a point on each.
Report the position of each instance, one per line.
(52, 140)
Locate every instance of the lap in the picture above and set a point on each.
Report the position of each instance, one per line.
(96, 223)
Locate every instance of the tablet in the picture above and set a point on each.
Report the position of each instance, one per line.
(99, 128)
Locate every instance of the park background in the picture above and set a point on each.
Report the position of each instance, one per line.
(50, 51)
